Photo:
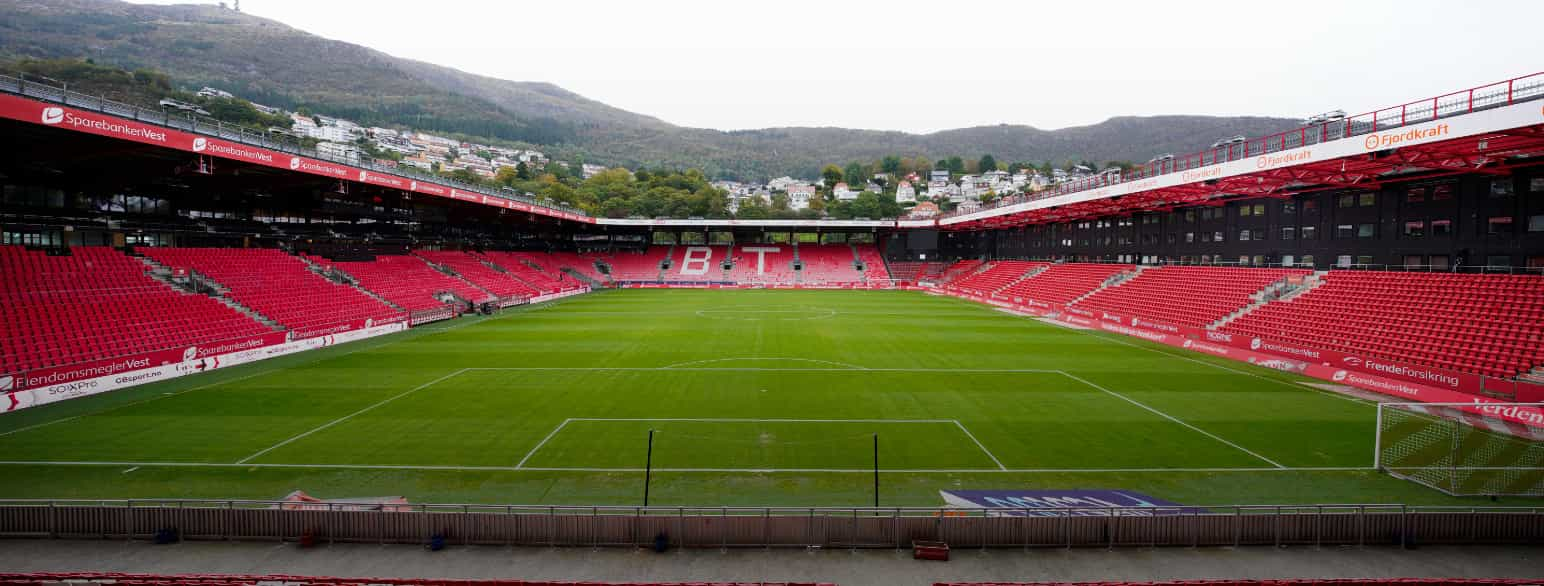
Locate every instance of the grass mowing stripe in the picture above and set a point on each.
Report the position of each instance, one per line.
(141, 402)
(929, 358)
(1295, 385)
(349, 416)
(1172, 418)
(815, 360)
(543, 442)
(972, 437)
(278, 465)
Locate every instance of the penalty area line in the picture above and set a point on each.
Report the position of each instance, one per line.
(1171, 418)
(543, 442)
(349, 416)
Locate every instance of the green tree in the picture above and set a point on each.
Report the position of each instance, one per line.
(987, 163)
(891, 164)
(522, 171)
(956, 166)
(854, 175)
(753, 209)
(832, 175)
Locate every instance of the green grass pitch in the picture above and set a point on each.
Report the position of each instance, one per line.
(756, 398)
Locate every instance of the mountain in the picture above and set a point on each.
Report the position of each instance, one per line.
(275, 64)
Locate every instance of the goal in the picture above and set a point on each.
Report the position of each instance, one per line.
(1464, 449)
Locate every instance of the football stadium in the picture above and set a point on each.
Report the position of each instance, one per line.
(1326, 336)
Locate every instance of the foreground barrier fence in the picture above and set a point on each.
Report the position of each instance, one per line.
(1231, 525)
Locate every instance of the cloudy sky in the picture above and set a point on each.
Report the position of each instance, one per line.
(926, 66)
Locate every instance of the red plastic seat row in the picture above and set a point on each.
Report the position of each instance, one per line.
(277, 285)
(411, 283)
(473, 270)
(1062, 283)
(98, 303)
(1189, 296)
(1483, 324)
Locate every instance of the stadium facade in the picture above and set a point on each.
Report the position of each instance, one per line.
(1442, 195)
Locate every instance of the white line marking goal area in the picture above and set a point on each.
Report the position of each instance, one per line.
(757, 444)
(743, 444)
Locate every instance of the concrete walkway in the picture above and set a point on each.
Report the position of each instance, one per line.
(848, 568)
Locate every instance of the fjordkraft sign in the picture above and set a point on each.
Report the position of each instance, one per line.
(89, 122)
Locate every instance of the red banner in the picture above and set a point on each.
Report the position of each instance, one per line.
(100, 368)
(1447, 379)
(35, 112)
(347, 326)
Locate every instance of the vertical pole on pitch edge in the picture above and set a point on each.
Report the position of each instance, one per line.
(648, 468)
(1377, 440)
(876, 470)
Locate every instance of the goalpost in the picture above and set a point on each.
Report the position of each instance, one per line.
(1464, 449)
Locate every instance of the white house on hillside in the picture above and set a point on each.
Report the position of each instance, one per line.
(905, 193)
(842, 193)
(799, 196)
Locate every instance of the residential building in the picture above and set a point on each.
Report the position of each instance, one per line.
(842, 193)
(799, 195)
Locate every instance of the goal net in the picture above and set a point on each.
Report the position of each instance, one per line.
(1464, 449)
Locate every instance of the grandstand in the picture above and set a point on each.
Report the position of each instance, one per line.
(645, 265)
(472, 269)
(543, 276)
(827, 264)
(413, 284)
(97, 303)
(276, 286)
(1194, 335)
(1484, 324)
(1189, 296)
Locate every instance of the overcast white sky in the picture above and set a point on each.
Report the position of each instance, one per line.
(926, 66)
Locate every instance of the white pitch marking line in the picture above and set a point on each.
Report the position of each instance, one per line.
(129, 470)
(1171, 418)
(688, 470)
(349, 416)
(543, 442)
(1294, 385)
(712, 360)
(972, 437)
(386, 342)
(142, 401)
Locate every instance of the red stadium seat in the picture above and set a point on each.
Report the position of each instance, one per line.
(1187, 296)
(98, 303)
(277, 285)
(1483, 324)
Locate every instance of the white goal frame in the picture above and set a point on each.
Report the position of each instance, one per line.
(1451, 419)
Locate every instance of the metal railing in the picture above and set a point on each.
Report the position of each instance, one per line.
(1495, 95)
(595, 526)
(213, 127)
